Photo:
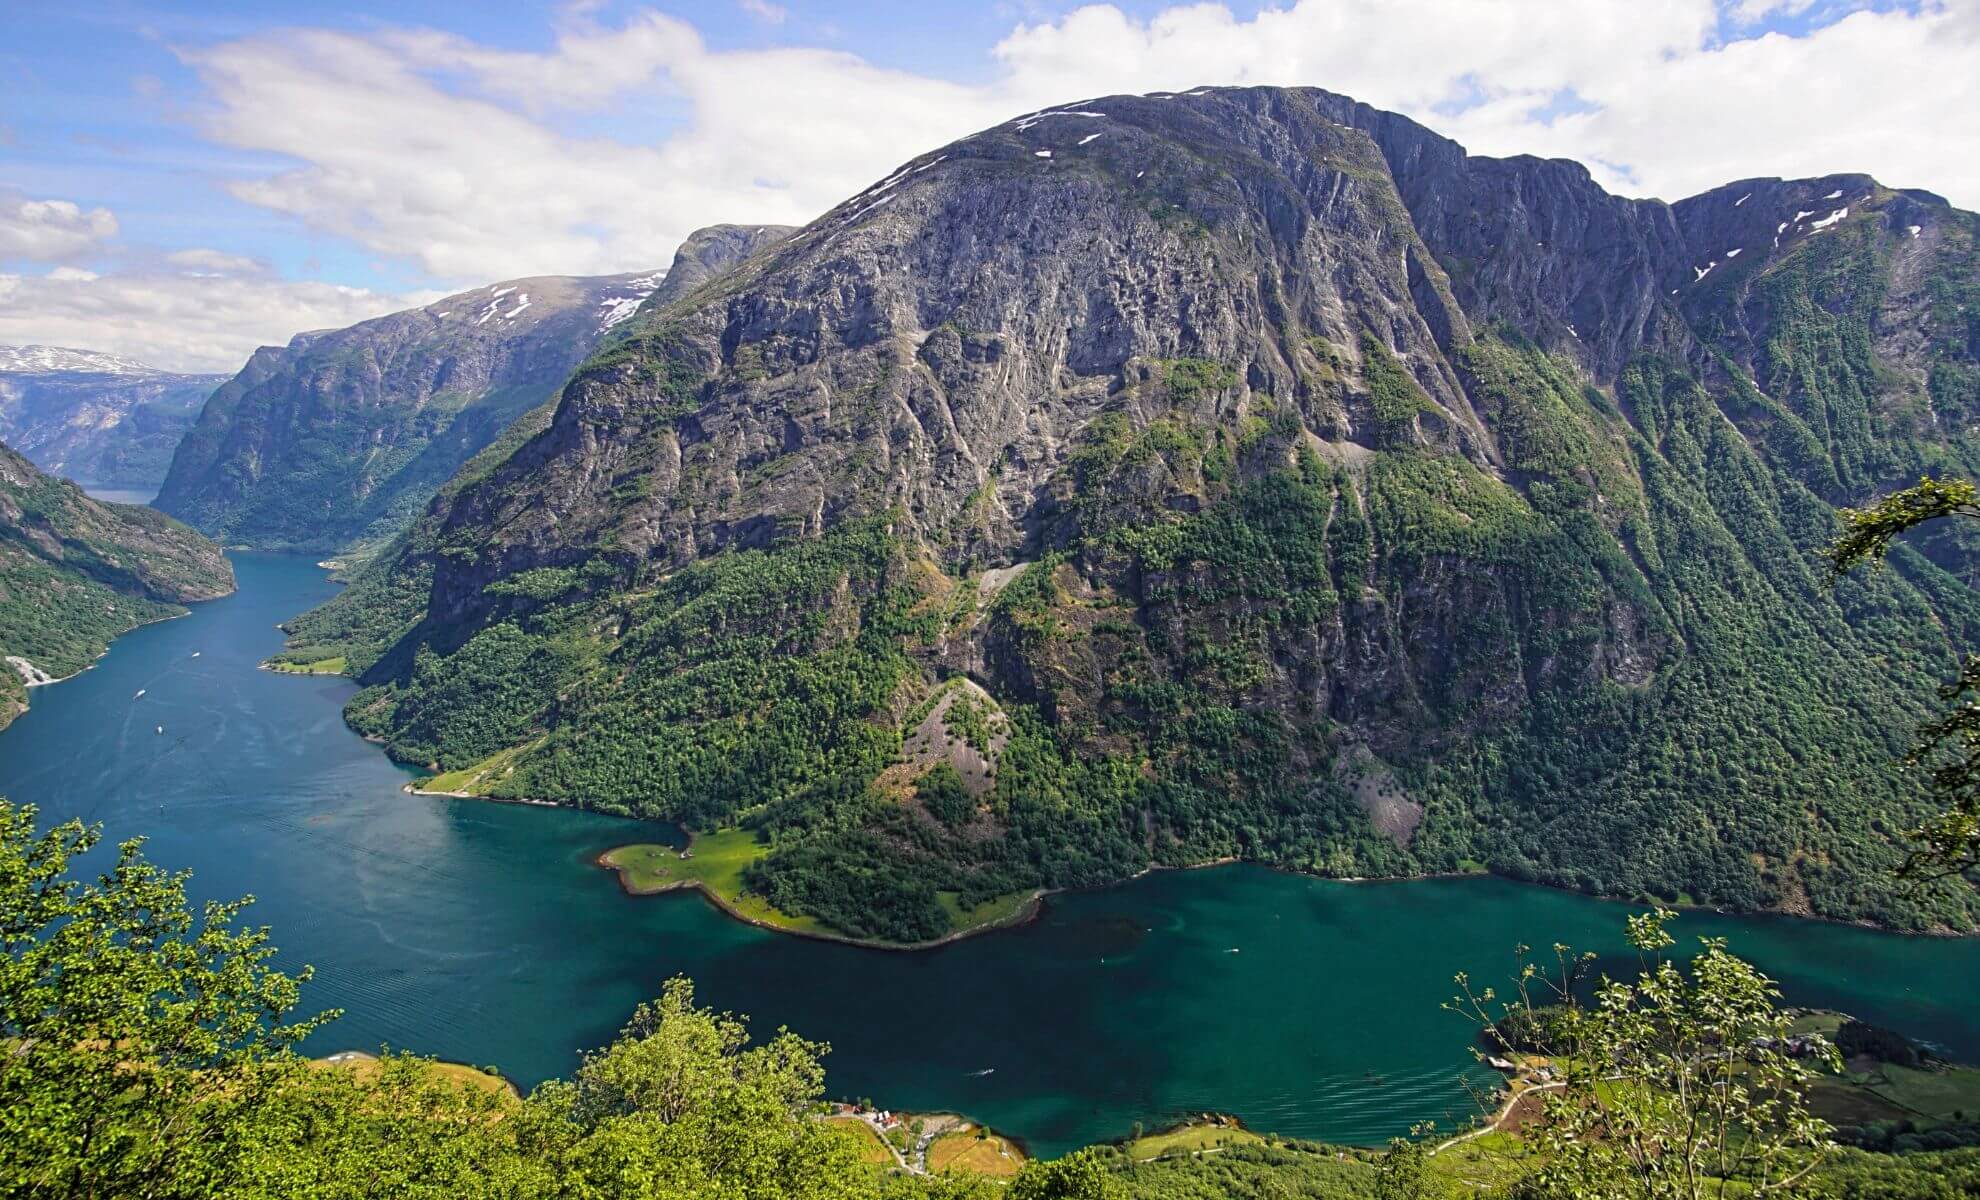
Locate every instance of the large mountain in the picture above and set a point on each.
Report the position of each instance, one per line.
(104, 420)
(343, 435)
(75, 572)
(1245, 472)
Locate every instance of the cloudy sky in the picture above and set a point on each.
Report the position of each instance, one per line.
(182, 182)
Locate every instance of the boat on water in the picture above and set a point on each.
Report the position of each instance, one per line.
(140, 694)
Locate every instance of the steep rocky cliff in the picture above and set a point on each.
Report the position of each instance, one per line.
(75, 572)
(1282, 481)
(343, 435)
(98, 418)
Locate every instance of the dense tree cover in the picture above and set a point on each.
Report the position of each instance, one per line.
(1605, 655)
(1629, 676)
(75, 573)
(149, 1051)
(1948, 748)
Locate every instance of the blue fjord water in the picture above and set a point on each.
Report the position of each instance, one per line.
(482, 932)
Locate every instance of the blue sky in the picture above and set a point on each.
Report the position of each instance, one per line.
(181, 182)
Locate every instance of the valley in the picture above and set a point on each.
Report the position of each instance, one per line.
(1209, 644)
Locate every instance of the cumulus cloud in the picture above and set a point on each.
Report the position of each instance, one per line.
(217, 262)
(51, 230)
(476, 163)
(1659, 100)
(429, 147)
(175, 320)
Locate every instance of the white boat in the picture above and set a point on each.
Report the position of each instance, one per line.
(161, 729)
(140, 694)
(195, 654)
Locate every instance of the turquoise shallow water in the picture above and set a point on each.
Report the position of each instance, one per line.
(482, 932)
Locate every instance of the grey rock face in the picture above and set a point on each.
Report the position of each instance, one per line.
(955, 326)
(97, 418)
(343, 435)
(1364, 476)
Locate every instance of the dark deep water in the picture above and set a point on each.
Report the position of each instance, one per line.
(479, 931)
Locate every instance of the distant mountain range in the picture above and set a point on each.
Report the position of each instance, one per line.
(98, 418)
(1239, 473)
(341, 436)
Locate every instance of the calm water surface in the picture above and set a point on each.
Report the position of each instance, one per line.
(480, 932)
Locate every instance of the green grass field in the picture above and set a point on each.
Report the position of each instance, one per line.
(871, 1148)
(322, 666)
(1480, 1164)
(474, 780)
(366, 1066)
(1188, 1139)
(993, 911)
(1936, 1094)
(966, 1153)
(718, 864)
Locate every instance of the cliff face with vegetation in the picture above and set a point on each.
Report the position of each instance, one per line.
(343, 435)
(75, 573)
(104, 420)
(1246, 472)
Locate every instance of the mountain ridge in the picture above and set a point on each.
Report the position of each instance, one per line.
(341, 435)
(102, 418)
(1295, 485)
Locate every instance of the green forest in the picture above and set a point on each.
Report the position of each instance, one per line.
(153, 1051)
(1612, 658)
(75, 573)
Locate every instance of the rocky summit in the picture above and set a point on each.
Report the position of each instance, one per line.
(342, 435)
(1235, 473)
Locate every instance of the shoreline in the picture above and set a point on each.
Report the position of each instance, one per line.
(1027, 910)
(104, 653)
(415, 790)
(1033, 904)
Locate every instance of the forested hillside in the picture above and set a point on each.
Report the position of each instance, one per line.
(75, 573)
(153, 1051)
(1293, 485)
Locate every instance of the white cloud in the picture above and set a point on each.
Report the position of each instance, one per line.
(1663, 104)
(477, 163)
(428, 147)
(177, 321)
(1752, 12)
(200, 259)
(50, 230)
(764, 11)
